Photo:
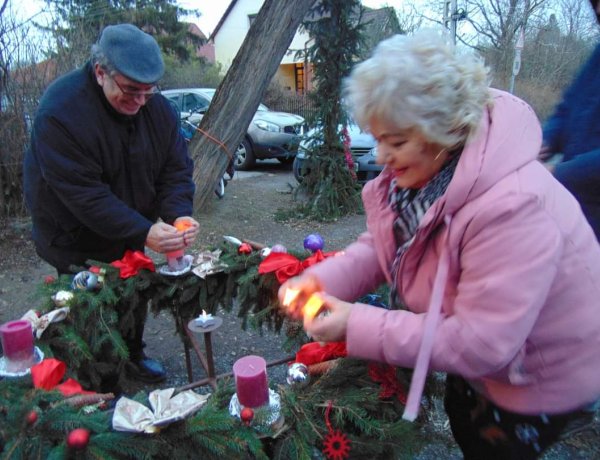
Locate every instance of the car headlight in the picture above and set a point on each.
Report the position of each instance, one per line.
(267, 126)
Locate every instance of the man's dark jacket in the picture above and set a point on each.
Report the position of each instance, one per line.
(574, 131)
(95, 180)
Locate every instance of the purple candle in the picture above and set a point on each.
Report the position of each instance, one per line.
(251, 385)
(17, 340)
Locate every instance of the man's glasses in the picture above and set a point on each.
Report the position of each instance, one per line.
(146, 94)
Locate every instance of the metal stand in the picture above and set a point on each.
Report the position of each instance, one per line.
(207, 359)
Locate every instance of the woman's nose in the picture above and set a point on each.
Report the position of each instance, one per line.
(382, 155)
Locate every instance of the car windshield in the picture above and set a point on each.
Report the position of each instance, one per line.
(211, 92)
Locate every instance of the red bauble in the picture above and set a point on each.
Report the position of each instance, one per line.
(247, 415)
(49, 279)
(78, 439)
(245, 248)
(32, 417)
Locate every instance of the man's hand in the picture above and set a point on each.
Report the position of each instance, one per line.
(191, 229)
(545, 153)
(163, 237)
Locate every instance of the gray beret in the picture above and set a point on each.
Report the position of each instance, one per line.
(132, 52)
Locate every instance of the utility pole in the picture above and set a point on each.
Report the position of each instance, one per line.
(517, 60)
(452, 14)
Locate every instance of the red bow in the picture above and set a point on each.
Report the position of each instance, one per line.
(132, 262)
(314, 352)
(286, 265)
(49, 372)
(390, 386)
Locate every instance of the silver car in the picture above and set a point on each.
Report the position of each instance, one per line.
(362, 149)
(270, 134)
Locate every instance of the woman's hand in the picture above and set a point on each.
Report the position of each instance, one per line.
(304, 286)
(331, 325)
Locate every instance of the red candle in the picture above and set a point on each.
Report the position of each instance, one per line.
(251, 383)
(17, 340)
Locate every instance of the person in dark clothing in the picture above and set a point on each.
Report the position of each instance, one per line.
(573, 130)
(107, 170)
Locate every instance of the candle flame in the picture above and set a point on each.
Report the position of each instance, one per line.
(312, 306)
(204, 315)
(183, 225)
(289, 296)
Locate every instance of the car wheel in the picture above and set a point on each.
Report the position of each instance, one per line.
(244, 156)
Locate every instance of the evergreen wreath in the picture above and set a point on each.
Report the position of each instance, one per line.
(90, 343)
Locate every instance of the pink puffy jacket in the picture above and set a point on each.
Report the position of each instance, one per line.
(502, 281)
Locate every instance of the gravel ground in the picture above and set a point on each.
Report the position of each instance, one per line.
(246, 211)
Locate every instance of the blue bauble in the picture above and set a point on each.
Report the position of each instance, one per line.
(313, 242)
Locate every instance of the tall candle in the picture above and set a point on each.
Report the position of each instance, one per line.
(175, 258)
(17, 340)
(251, 383)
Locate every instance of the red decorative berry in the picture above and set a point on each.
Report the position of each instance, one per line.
(78, 439)
(49, 279)
(245, 248)
(247, 415)
(32, 417)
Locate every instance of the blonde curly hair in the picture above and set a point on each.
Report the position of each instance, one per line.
(419, 82)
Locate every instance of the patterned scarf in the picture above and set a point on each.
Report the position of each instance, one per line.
(410, 206)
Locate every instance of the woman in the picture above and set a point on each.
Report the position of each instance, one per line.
(492, 259)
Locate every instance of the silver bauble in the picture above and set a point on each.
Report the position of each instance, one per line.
(297, 375)
(84, 281)
(62, 298)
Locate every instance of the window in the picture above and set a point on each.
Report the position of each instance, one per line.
(194, 103)
(299, 76)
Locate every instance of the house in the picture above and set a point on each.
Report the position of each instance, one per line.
(207, 50)
(294, 72)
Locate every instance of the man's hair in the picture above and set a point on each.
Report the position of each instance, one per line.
(98, 57)
(419, 83)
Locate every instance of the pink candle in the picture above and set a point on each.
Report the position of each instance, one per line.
(251, 383)
(17, 340)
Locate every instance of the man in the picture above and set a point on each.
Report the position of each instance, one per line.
(107, 170)
(573, 131)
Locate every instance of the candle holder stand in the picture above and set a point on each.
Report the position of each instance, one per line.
(206, 358)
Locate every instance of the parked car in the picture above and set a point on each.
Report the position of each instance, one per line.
(270, 134)
(362, 148)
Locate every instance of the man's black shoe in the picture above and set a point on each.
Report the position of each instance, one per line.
(146, 370)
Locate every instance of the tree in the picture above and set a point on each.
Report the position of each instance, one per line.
(497, 23)
(336, 33)
(78, 24)
(241, 91)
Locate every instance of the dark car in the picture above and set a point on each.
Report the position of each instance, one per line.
(270, 134)
(362, 148)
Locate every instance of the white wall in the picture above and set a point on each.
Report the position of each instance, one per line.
(233, 31)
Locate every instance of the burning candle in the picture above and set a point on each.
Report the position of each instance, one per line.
(17, 343)
(204, 320)
(175, 258)
(310, 309)
(251, 385)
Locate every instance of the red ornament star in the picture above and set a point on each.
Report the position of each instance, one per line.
(337, 445)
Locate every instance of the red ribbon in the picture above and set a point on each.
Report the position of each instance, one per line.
(286, 265)
(49, 372)
(315, 352)
(390, 386)
(132, 262)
